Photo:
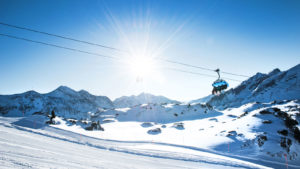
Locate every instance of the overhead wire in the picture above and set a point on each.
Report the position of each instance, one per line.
(97, 54)
(62, 37)
(99, 45)
(199, 67)
(202, 74)
(57, 46)
(184, 64)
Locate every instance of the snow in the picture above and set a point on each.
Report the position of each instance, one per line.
(262, 88)
(143, 98)
(201, 131)
(205, 133)
(240, 128)
(24, 147)
(201, 100)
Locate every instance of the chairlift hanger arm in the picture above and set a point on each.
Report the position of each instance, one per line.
(218, 71)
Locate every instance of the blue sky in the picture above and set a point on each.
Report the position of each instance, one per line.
(242, 37)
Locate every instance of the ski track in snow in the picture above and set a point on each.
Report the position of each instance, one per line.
(23, 147)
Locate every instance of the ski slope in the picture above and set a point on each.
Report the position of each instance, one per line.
(28, 143)
(255, 125)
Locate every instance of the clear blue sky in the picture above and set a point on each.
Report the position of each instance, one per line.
(236, 36)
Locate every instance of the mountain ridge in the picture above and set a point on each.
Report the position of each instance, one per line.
(276, 85)
(142, 98)
(64, 100)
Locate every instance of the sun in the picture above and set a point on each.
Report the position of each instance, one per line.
(142, 66)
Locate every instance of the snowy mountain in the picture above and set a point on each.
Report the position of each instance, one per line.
(143, 98)
(202, 100)
(63, 100)
(257, 122)
(274, 86)
(268, 131)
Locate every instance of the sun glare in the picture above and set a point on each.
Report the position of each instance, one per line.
(144, 45)
(142, 66)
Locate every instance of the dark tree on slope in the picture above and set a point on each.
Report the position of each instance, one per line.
(52, 117)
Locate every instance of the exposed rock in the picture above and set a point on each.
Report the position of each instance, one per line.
(95, 126)
(108, 120)
(232, 116)
(179, 126)
(296, 133)
(231, 133)
(265, 112)
(267, 121)
(240, 134)
(38, 113)
(286, 143)
(72, 121)
(261, 140)
(154, 131)
(147, 124)
(289, 122)
(283, 132)
(213, 119)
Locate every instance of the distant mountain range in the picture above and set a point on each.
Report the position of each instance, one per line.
(143, 98)
(276, 85)
(63, 100)
(68, 102)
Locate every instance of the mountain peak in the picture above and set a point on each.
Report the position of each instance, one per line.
(143, 94)
(32, 92)
(64, 88)
(63, 91)
(84, 92)
(273, 72)
(276, 85)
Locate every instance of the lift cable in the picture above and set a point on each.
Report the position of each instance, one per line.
(202, 74)
(107, 56)
(108, 47)
(112, 48)
(62, 37)
(58, 46)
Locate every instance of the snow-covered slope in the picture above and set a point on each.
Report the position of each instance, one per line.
(275, 86)
(28, 143)
(258, 121)
(64, 101)
(202, 100)
(143, 98)
(161, 113)
(264, 133)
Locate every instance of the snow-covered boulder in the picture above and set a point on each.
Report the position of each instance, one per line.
(154, 131)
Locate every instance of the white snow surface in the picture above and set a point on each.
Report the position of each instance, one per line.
(251, 126)
(231, 132)
(28, 143)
